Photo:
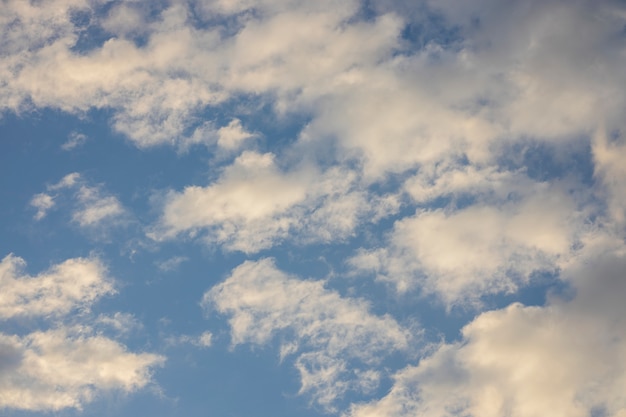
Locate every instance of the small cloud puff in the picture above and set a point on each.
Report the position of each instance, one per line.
(92, 207)
(75, 140)
(43, 203)
(232, 136)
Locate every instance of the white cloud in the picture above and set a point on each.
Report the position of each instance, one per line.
(74, 140)
(92, 207)
(610, 169)
(71, 285)
(64, 366)
(122, 323)
(204, 340)
(566, 357)
(254, 205)
(232, 135)
(485, 248)
(42, 202)
(337, 341)
(171, 264)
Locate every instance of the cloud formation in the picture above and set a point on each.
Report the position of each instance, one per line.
(488, 247)
(566, 357)
(64, 365)
(489, 135)
(336, 341)
(255, 205)
(92, 207)
(71, 285)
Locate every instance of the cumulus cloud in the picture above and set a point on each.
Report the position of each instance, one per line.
(566, 357)
(462, 254)
(42, 202)
(65, 365)
(73, 284)
(92, 206)
(433, 100)
(336, 341)
(232, 135)
(254, 205)
(66, 368)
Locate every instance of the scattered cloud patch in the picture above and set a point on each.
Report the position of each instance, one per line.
(204, 340)
(255, 205)
(485, 248)
(67, 368)
(171, 264)
(65, 365)
(566, 357)
(74, 141)
(233, 135)
(336, 341)
(69, 286)
(92, 207)
(42, 202)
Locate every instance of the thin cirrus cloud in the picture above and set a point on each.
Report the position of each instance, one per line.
(65, 365)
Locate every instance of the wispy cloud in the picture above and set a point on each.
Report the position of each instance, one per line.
(323, 330)
(74, 140)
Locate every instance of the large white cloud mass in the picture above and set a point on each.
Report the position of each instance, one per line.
(565, 359)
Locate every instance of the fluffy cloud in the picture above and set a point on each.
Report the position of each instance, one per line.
(566, 357)
(66, 368)
(92, 207)
(157, 90)
(254, 204)
(484, 248)
(73, 284)
(65, 365)
(43, 203)
(337, 341)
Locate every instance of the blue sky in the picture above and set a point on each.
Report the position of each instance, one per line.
(280, 207)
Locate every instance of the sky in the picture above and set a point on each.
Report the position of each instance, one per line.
(355, 208)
